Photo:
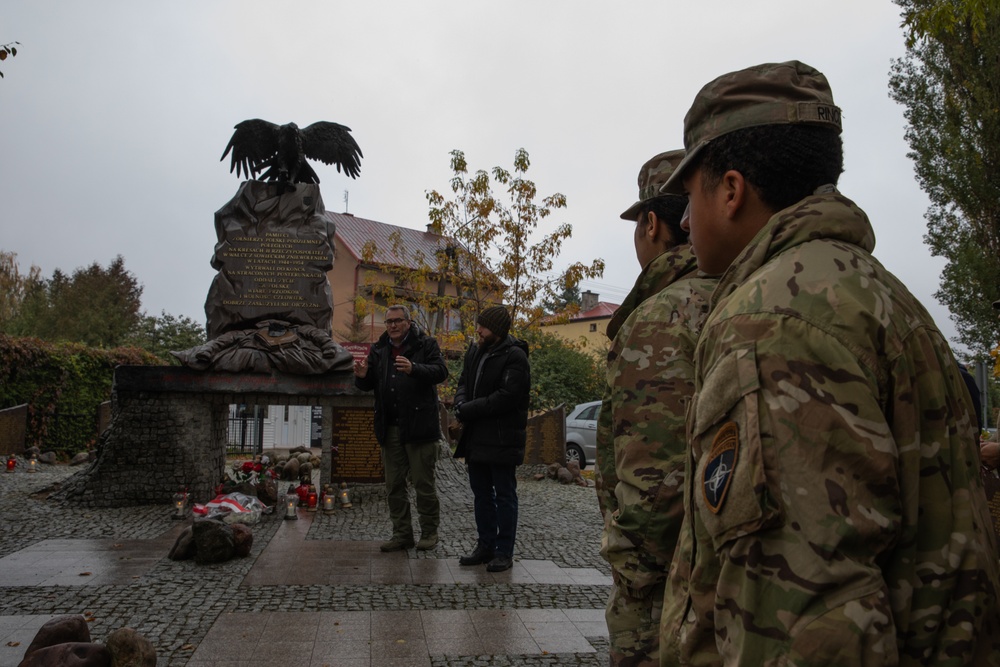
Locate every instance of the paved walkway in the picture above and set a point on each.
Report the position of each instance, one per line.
(313, 592)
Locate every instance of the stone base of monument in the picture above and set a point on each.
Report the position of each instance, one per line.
(168, 431)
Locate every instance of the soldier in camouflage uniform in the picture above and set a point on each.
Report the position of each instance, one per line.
(835, 513)
(640, 438)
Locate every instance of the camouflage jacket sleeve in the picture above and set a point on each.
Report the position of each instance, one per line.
(820, 498)
(651, 380)
(661, 272)
(605, 477)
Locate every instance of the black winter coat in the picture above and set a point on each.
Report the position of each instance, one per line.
(493, 408)
(416, 395)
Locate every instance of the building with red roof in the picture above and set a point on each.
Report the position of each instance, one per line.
(363, 249)
(588, 326)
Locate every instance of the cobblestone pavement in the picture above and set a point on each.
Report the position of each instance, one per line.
(174, 604)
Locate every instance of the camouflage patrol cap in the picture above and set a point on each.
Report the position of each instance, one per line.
(769, 94)
(652, 175)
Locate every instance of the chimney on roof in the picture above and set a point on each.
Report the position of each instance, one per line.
(588, 301)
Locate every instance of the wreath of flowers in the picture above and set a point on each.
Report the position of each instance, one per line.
(250, 472)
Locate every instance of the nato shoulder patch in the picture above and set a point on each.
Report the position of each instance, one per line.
(721, 464)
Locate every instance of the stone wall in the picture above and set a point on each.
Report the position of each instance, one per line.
(156, 444)
(168, 430)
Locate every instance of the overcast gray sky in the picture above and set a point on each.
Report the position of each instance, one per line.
(115, 114)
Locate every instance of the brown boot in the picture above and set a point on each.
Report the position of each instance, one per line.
(396, 544)
(428, 541)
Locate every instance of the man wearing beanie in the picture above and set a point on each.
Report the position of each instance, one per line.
(492, 404)
(835, 513)
(640, 431)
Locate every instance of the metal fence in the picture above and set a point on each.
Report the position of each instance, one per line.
(245, 435)
(68, 431)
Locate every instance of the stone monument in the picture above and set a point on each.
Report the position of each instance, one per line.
(269, 307)
(269, 312)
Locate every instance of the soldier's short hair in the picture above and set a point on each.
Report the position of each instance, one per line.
(670, 210)
(783, 163)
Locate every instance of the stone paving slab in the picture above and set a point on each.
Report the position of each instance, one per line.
(406, 637)
(188, 610)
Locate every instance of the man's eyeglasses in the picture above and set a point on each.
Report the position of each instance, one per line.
(394, 320)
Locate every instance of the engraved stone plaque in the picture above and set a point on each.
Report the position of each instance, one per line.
(272, 254)
(547, 438)
(358, 457)
(991, 482)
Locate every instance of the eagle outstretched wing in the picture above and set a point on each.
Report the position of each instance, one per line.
(280, 151)
(254, 145)
(332, 143)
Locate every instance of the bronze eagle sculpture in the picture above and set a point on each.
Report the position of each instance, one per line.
(280, 151)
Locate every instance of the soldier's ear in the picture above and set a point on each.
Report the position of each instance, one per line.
(657, 230)
(734, 190)
(651, 228)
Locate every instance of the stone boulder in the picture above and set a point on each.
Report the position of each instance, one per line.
(242, 540)
(183, 548)
(564, 476)
(128, 648)
(69, 654)
(80, 459)
(48, 457)
(213, 541)
(267, 491)
(64, 641)
(291, 470)
(60, 630)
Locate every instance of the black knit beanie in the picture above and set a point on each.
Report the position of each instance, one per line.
(496, 319)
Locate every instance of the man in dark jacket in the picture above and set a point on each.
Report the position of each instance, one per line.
(492, 404)
(403, 368)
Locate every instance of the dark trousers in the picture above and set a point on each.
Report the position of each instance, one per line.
(416, 462)
(494, 488)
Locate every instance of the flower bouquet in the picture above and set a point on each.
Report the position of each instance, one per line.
(253, 478)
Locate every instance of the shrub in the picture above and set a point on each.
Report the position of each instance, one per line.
(63, 378)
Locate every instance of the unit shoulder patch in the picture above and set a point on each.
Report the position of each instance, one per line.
(721, 464)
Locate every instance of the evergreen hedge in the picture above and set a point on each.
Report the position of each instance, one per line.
(61, 378)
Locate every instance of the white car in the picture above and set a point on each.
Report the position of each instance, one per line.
(581, 433)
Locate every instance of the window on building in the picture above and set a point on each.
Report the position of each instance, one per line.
(454, 320)
(593, 327)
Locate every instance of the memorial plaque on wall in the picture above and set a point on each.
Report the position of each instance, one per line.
(547, 438)
(991, 483)
(358, 457)
(273, 253)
